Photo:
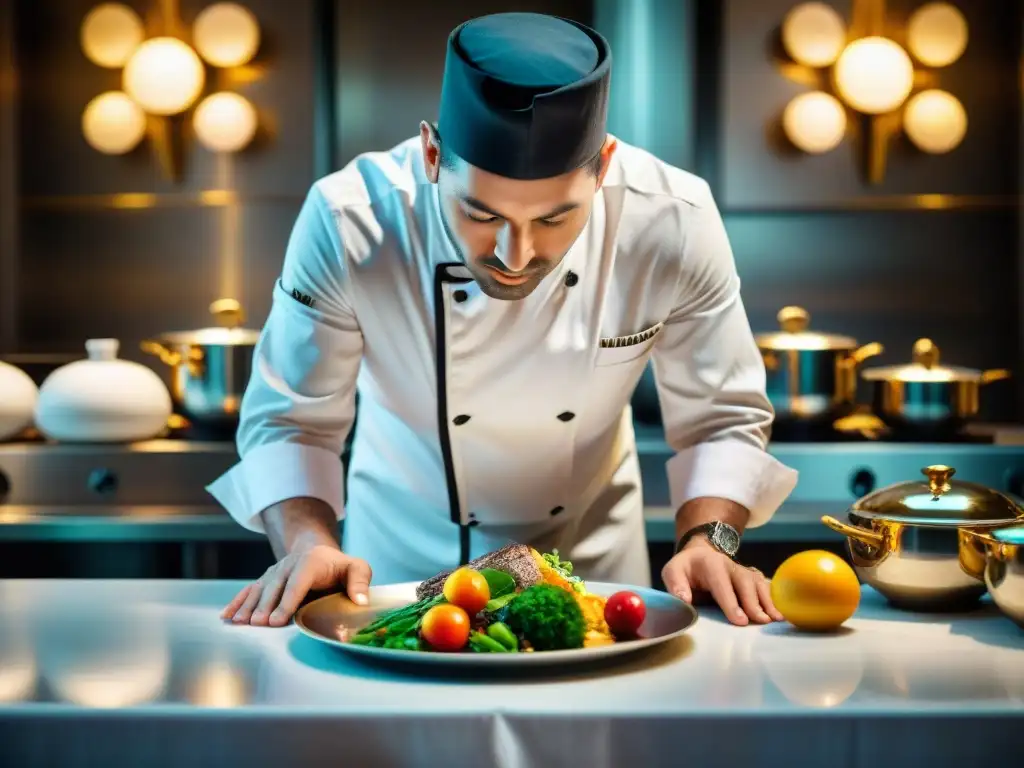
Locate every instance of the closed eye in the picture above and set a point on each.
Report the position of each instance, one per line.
(480, 219)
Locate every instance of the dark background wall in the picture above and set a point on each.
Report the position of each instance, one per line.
(694, 82)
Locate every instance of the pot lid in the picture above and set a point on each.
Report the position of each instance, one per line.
(925, 368)
(938, 500)
(229, 316)
(794, 334)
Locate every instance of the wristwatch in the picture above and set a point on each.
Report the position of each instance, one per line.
(722, 536)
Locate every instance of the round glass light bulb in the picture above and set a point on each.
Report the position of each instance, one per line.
(110, 34)
(113, 124)
(226, 34)
(937, 34)
(874, 75)
(815, 122)
(225, 122)
(164, 76)
(814, 34)
(935, 121)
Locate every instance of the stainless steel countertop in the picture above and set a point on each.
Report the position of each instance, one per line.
(145, 673)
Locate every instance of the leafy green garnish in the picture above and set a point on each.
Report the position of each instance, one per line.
(498, 582)
(564, 569)
(495, 604)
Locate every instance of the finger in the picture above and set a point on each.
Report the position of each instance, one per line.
(294, 593)
(243, 614)
(357, 581)
(744, 582)
(719, 583)
(676, 583)
(269, 599)
(764, 594)
(236, 602)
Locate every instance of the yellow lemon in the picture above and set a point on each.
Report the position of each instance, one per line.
(815, 590)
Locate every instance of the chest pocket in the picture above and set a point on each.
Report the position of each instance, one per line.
(619, 350)
(618, 365)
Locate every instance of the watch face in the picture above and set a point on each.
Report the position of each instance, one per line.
(727, 538)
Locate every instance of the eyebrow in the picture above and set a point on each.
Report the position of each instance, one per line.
(480, 206)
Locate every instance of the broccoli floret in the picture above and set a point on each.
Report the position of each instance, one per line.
(548, 617)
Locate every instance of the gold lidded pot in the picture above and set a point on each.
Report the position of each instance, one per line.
(811, 376)
(907, 540)
(926, 395)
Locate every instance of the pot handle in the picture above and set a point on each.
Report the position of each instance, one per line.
(167, 357)
(861, 354)
(973, 552)
(864, 536)
(998, 374)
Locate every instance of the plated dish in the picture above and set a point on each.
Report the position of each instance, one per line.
(512, 606)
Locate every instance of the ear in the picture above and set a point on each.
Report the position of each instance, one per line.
(607, 151)
(431, 151)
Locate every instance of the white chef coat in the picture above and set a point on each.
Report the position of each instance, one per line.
(484, 421)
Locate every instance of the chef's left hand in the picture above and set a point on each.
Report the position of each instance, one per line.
(742, 593)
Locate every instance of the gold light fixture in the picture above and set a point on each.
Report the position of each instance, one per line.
(874, 77)
(164, 77)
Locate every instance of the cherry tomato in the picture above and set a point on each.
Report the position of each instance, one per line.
(467, 589)
(624, 612)
(445, 627)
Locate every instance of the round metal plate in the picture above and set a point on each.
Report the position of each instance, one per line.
(334, 618)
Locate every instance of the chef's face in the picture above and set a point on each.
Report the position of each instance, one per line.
(511, 233)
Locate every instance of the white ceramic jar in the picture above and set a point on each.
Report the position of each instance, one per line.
(102, 399)
(18, 397)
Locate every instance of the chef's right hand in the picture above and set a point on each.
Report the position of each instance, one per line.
(273, 599)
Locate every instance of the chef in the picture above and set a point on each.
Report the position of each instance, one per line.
(493, 289)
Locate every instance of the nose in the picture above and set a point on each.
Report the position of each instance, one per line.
(514, 247)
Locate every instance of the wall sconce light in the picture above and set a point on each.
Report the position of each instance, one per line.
(874, 76)
(163, 77)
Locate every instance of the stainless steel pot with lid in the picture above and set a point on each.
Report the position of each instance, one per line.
(907, 540)
(211, 366)
(926, 395)
(811, 376)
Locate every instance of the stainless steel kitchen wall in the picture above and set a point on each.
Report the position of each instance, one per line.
(8, 180)
(931, 251)
(695, 82)
(94, 258)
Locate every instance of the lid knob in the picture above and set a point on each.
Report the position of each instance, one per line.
(938, 478)
(926, 353)
(793, 319)
(227, 313)
(102, 349)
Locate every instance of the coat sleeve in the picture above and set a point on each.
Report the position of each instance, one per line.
(711, 381)
(299, 404)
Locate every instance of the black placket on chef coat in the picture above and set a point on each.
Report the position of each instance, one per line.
(456, 273)
(445, 273)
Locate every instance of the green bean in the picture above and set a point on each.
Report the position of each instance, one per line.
(500, 632)
(481, 643)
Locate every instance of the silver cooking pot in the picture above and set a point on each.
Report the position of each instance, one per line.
(926, 395)
(211, 366)
(811, 377)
